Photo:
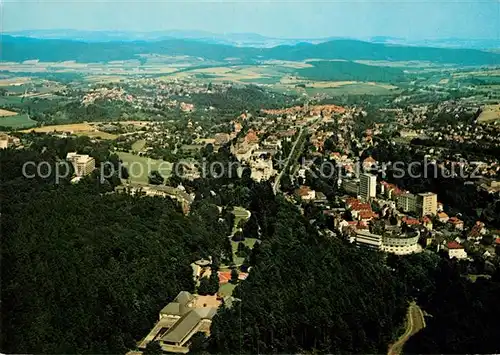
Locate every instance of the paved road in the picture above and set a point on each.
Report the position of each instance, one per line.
(276, 186)
(414, 322)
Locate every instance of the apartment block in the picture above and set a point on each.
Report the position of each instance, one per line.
(407, 202)
(367, 186)
(82, 163)
(427, 204)
(351, 186)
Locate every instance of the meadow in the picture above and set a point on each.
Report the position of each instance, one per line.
(79, 129)
(490, 113)
(140, 167)
(17, 121)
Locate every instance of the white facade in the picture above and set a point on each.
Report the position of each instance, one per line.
(367, 239)
(400, 245)
(367, 186)
(82, 163)
(457, 253)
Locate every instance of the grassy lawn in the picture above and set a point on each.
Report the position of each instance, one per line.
(249, 242)
(239, 214)
(138, 145)
(139, 167)
(17, 121)
(226, 289)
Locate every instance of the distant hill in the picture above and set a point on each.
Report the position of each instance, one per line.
(244, 39)
(19, 49)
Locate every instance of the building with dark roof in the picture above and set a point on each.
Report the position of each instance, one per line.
(179, 320)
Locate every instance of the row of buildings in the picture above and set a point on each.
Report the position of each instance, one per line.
(422, 204)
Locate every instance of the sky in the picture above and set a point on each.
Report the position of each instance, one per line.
(417, 20)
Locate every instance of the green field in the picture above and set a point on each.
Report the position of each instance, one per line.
(139, 167)
(239, 214)
(249, 242)
(10, 100)
(353, 89)
(262, 80)
(17, 121)
(227, 289)
(139, 145)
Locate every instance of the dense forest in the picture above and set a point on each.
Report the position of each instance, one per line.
(462, 316)
(87, 272)
(351, 71)
(309, 293)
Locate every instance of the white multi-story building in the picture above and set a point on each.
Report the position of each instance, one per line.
(407, 202)
(427, 204)
(401, 245)
(82, 163)
(367, 186)
(366, 239)
(4, 141)
(262, 169)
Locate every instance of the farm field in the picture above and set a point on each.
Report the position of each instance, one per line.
(138, 145)
(17, 121)
(338, 88)
(80, 129)
(139, 167)
(6, 113)
(490, 113)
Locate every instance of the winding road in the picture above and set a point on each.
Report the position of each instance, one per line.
(414, 322)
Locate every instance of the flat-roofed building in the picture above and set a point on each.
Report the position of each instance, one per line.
(179, 320)
(427, 204)
(366, 239)
(401, 244)
(82, 163)
(351, 186)
(367, 186)
(407, 202)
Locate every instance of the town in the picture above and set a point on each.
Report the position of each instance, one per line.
(331, 187)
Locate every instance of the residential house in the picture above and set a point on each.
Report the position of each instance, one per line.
(427, 222)
(305, 193)
(443, 217)
(457, 223)
(455, 250)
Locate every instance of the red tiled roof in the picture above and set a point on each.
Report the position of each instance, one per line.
(369, 160)
(411, 221)
(454, 245)
(455, 220)
(303, 191)
(367, 214)
(224, 277)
